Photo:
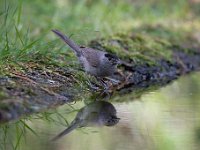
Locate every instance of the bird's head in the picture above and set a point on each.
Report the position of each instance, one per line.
(113, 59)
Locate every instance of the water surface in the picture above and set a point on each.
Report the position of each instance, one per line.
(165, 119)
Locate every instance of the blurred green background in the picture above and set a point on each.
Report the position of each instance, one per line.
(26, 24)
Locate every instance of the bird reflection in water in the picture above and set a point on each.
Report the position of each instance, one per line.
(98, 113)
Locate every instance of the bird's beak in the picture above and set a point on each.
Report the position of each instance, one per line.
(115, 117)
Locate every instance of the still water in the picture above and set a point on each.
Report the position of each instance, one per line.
(165, 119)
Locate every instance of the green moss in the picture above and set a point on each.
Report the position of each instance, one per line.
(141, 48)
(3, 95)
(4, 106)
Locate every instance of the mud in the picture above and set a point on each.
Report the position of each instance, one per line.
(34, 91)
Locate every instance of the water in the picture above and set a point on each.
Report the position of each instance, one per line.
(166, 119)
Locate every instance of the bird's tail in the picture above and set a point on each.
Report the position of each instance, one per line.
(71, 43)
(66, 131)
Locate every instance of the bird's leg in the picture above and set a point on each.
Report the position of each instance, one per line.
(106, 93)
(105, 86)
(93, 85)
(97, 87)
(113, 80)
(124, 76)
(121, 74)
(124, 79)
(103, 83)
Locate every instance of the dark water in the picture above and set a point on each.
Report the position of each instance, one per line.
(166, 119)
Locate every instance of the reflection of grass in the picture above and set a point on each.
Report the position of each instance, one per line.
(13, 141)
(7, 136)
(13, 136)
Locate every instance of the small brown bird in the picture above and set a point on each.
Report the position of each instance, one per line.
(95, 62)
(98, 113)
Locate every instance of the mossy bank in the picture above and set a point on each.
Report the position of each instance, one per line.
(149, 62)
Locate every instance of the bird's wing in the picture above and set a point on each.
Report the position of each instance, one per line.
(92, 56)
(91, 119)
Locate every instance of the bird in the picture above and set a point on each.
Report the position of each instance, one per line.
(98, 113)
(95, 62)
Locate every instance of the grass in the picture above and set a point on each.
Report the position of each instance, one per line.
(25, 25)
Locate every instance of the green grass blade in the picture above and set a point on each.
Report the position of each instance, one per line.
(19, 11)
(18, 140)
(29, 46)
(1, 13)
(7, 42)
(18, 35)
(28, 127)
(6, 13)
(26, 36)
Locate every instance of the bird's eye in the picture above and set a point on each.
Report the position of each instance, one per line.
(109, 121)
(111, 56)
